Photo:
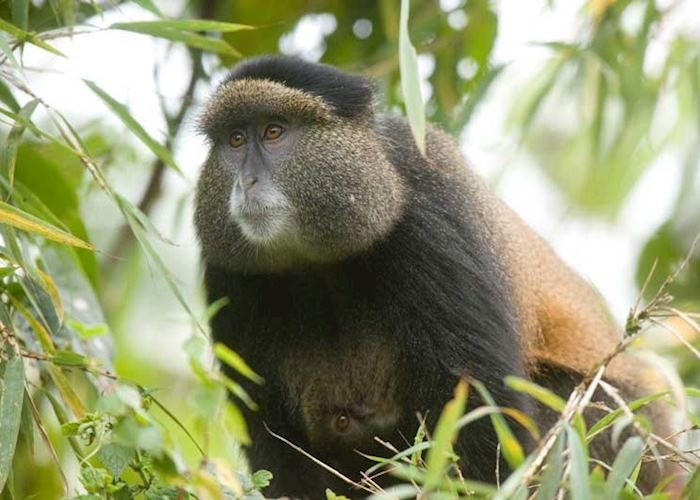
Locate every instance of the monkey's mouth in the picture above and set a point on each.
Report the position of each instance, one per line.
(260, 223)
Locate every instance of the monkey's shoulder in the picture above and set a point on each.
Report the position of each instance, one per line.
(442, 155)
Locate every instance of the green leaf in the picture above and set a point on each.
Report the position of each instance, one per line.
(235, 423)
(625, 463)
(69, 358)
(580, 488)
(47, 184)
(26, 426)
(132, 215)
(156, 28)
(22, 220)
(24, 36)
(692, 487)
(183, 25)
(7, 50)
(332, 496)
(123, 114)
(236, 362)
(7, 98)
(240, 393)
(261, 479)
(510, 447)
(610, 418)
(115, 458)
(70, 428)
(94, 479)
(11, 399)
(8, 155)
(541, 394)
(445, 433)
(410, 81)
(149, 6)
(20, 13)
(88, 331)
(552, 475)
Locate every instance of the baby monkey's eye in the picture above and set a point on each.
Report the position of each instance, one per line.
(237, 139)
(342, 422)
(273, 131)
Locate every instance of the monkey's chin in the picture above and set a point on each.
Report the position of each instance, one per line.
(264, 229)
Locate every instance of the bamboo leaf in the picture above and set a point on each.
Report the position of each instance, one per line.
(552, 476)
(7, 50)
(11, 399)
(69, 358)
(610, 418)
(133, 216)
(624, 465)
(233, 360)
(123, 114)
(149, 6)
(235, 423)
(446, 432)
(541, 394)
(8, 156)
(20, 15)
(181, 24)
(52, 291)
(67, 393)
(410, 81)
(580, 487)
(22, 220)
(162, 29)
(510, 447)
(238, 391)
(6, 96)
(692, 486)
(24, 36)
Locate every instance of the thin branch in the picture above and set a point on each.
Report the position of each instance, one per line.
(308, 455)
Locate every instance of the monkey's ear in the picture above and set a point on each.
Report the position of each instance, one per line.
(349, 95)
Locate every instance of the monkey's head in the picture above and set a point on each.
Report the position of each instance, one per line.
(296, 174)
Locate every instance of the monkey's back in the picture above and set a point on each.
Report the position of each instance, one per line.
(565, 328)
(561, 317)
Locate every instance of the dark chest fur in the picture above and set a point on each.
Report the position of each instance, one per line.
(426, 304)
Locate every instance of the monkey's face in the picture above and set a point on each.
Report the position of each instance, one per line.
(288, 183)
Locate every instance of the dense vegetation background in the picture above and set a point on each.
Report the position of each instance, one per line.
(109, 384)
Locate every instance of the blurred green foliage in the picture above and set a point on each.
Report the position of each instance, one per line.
(595, 118)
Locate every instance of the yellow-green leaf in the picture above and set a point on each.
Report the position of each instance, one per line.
(183, 33)
(52, 291)
(446, 432)
(236, 362)
(22, 220)
(24, 36)
(235, 423)
(181, 24)
(541, 394)
(510, 447)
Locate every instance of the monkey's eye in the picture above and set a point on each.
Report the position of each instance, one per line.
(342, 422)
(273, 131)
(237, 139)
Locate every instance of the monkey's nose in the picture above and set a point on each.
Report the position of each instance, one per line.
(248, 183)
